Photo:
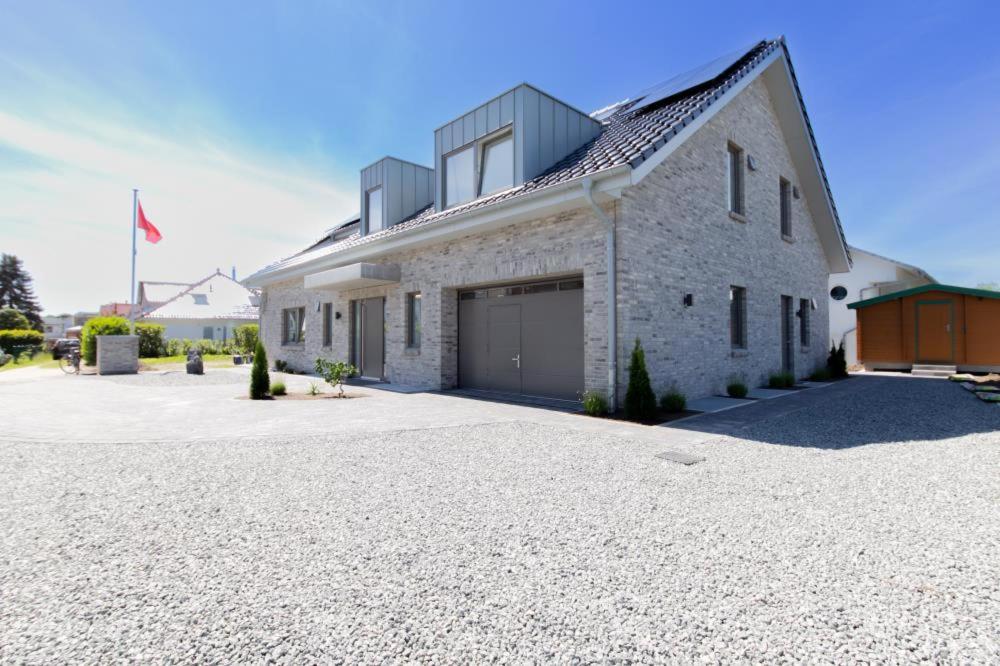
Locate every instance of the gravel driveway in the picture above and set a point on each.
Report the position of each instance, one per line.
(518, 540)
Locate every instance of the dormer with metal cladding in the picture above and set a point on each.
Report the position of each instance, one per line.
(504, 143)
(393, 190)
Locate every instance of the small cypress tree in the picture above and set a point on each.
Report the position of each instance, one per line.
(260, 381)
(640, 401)
(836, 363)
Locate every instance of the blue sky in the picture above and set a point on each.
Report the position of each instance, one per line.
(245, 124)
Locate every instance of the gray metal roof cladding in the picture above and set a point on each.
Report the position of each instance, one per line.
(630, 135)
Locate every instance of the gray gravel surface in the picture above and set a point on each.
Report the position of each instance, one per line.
(513, 541)
(169, 378)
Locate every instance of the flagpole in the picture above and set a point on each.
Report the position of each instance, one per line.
(135, 199)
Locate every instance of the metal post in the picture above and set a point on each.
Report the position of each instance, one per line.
(135, 201)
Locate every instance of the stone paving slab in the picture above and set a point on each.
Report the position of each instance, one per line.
(810, 384)
(716, 403)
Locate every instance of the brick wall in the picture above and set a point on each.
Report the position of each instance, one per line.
(117, 354)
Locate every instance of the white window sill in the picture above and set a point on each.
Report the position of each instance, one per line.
(740, 353)
(787, 238)
(739, 217)
(411, 351)
(293, 345)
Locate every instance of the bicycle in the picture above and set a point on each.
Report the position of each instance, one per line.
(69, 361)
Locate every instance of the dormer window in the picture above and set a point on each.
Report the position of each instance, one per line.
(483, 168)
(373, 208)
(498, 165)
(459, 177)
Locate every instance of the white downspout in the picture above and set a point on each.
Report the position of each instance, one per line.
(609, 226)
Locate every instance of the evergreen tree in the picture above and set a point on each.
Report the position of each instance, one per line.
(640, 401)
(16, 290)
(260, 380)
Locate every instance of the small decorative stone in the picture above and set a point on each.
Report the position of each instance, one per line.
(195, 366)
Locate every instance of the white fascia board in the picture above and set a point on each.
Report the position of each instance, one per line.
(657, 158)
(354, 276)
(549, 201)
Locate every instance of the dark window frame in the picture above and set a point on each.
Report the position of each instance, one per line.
(328, 325)
(805, 325)
(736, 179)
(300, 334)
(738, 317)
(414, 319)
(785, 207)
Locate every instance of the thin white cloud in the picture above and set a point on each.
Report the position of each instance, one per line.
(67, 209)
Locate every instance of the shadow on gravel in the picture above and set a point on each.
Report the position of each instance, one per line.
(867, 409)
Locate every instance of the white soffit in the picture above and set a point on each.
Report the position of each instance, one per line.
(354, 276)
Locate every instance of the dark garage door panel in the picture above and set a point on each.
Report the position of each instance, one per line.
(551, 344)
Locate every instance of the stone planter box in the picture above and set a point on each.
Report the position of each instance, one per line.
(117, 354)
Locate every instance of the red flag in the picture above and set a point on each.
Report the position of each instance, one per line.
(153, 234)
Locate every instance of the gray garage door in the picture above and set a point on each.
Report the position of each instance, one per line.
(525, 339)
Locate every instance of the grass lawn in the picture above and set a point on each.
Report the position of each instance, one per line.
(43, 360)
(210, 360)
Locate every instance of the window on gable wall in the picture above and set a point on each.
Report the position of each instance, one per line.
(785, 196)
(736, 178)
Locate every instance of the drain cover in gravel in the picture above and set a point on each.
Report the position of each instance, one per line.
(678, 457)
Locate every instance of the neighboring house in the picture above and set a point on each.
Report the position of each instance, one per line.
(937, 326)
(208, 309)
(152, 295)
(870, 276)
(116, 310)
(54, 326)
(703, 200)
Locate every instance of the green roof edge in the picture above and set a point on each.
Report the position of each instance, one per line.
(968, 291)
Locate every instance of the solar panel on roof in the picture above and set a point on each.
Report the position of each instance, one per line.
(689, 79)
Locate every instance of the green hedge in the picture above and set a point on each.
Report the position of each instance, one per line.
(100, 326)
(151, 342)
(180, 347)
(245, 337)
(18, 341)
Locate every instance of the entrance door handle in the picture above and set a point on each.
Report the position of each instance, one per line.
(517, 359)
(947, 328)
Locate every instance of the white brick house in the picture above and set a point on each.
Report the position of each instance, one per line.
(705, 200)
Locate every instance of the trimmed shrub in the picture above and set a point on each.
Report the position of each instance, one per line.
(278, 388)
(281, 365)
(595, 404)
(100, 326)
(13, 319)
(335, 372)
(836, 362)
(20, 337)
(781, 380)
(640, 401)
(245, 338)
(673, 401)
(820, 375)
(260, 381)
(737, 390)
(151, 344)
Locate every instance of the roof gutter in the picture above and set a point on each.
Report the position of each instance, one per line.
(612, 300)
(509, 211)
